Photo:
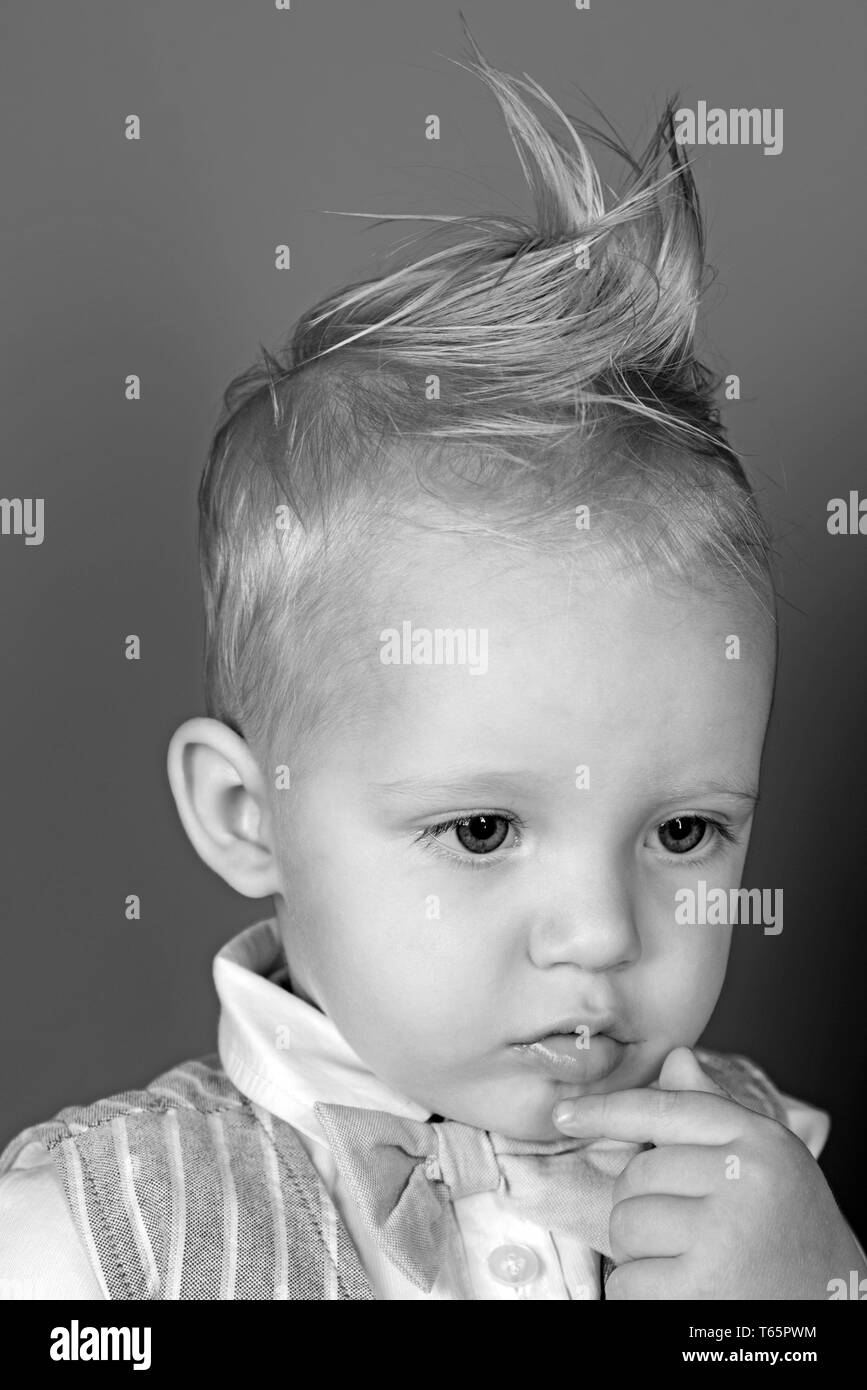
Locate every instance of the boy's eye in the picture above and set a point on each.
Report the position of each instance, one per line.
(682, 833)
(482, 834)
(475, 836)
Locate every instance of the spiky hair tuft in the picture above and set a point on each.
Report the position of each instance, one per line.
(562, 348)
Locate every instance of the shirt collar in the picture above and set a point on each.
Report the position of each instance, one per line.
(282, 1052)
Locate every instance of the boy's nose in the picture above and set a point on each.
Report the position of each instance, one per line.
(585, 920)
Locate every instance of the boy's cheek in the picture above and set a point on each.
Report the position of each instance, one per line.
(688, 952)
(677, 986)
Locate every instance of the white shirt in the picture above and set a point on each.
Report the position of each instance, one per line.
(285, 1055)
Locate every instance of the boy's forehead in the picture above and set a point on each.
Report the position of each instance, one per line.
(520, 588)
(462, 644)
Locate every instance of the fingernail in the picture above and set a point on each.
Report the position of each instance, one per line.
(563, 1112)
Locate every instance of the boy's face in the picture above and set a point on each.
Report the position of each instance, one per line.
(438, 949)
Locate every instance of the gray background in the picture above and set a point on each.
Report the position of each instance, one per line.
(157, 258)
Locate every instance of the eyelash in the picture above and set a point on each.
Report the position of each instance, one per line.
(722, 832)
(428, 837)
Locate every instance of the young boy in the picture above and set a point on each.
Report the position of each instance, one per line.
(490, 658)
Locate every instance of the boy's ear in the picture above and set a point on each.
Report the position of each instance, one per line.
(222, 801)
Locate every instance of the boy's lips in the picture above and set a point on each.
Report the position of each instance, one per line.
(558, 1053)
(569, 1025)
(558, 1056)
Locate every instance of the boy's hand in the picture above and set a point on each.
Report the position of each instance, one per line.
(729, 1205)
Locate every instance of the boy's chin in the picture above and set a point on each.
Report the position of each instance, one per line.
(520, 1105)
(538, 1127)
(529, 1115)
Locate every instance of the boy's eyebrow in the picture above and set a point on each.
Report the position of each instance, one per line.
(467, 784)
(459, 784)
(710, 789)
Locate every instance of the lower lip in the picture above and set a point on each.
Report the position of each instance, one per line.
(558, 1056)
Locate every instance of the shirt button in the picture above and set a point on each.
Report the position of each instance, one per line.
(513, 1264)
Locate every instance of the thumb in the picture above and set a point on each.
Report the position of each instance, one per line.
(681, 1071)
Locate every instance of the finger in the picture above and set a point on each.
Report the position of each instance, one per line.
(645, 1280)
(651, 1227)
(682, 1071)
(646, 1116)
(681, 1170)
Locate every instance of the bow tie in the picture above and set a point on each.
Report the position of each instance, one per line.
(403, 1174)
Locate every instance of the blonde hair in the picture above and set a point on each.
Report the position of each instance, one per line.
(562, 349)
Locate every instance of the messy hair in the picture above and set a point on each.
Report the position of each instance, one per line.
(523, 366)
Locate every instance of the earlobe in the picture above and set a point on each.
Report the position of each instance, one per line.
(222, 802)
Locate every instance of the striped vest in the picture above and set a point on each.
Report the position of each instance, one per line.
(188, 1190)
